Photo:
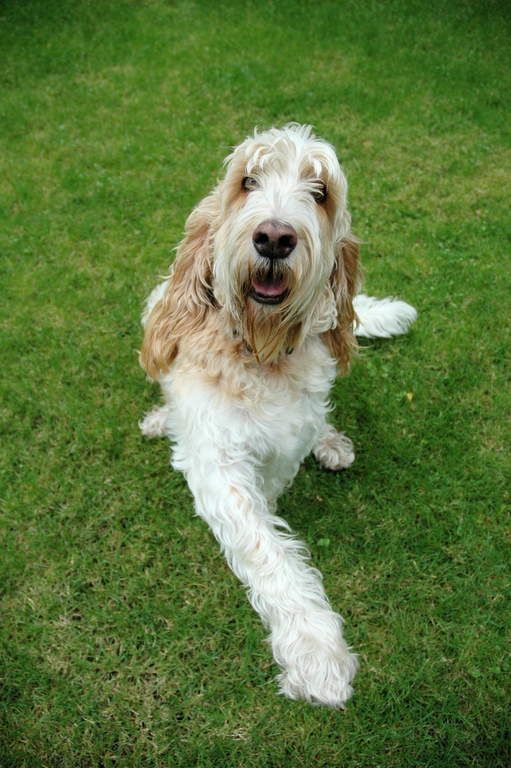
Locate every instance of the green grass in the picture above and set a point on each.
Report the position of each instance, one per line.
(125, 640)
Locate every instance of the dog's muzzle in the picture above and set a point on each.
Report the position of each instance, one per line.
(274, 241)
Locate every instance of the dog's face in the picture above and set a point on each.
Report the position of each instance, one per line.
(282, 212)
(270, 249)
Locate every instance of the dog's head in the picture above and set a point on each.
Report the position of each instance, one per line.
(270, 247)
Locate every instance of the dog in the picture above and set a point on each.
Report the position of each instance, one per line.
(245, 337)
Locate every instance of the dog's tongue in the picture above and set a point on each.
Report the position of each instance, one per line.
(269, 286)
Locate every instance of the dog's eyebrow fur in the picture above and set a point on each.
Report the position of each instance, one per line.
(291, 145)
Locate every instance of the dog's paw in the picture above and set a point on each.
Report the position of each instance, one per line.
(154, 423)
(321, 677)
(334, 450)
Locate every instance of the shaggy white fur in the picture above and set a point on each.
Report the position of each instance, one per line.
(382, 318)
(245, 338)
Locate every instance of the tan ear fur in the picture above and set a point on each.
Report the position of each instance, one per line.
(344, 281)
(188, 296)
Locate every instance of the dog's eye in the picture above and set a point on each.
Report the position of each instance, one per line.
(320, 192)
(249, 183)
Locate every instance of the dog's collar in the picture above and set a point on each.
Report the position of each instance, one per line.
(248, 349)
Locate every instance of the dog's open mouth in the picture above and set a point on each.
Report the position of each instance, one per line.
(270, 288)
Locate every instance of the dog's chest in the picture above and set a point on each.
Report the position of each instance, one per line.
(284, 408)
(272, 414)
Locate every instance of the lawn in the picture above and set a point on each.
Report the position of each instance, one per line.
(124, 639)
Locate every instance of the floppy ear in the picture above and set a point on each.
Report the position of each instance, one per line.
(188, 296)
(344, 281)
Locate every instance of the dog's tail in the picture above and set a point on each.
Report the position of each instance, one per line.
(382, 318)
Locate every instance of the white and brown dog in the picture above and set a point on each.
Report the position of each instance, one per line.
(245, 338)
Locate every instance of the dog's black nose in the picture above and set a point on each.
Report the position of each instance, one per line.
(274, 239)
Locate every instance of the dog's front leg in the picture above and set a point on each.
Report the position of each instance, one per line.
(305, 634)
(333, 450)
